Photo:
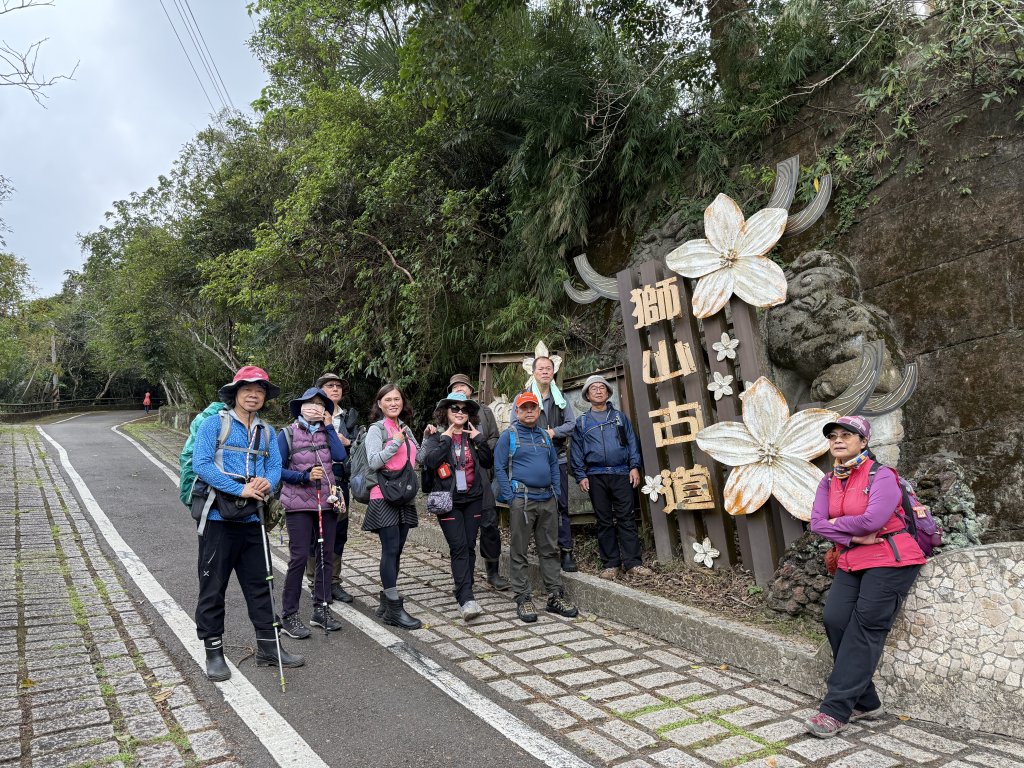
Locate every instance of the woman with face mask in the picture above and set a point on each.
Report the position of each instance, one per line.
(307, 452)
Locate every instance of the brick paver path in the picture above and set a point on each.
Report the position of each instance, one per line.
(86, 681)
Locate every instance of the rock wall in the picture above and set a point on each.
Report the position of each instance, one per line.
(960, 639)
(942, 252)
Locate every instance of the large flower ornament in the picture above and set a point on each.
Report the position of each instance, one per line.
(541, 350)
(771, 452)
(732, 258)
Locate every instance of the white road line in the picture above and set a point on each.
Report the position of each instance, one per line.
(284, 744)
(69, 418)
(491, 713)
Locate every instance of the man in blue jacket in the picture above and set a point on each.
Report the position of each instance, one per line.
(526, 467)
(237, 476)
(605, 462)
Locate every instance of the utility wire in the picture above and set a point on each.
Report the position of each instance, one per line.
(202, 57)
(185, 51)
(223, 85)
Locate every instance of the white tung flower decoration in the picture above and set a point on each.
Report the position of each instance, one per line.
(720, 386)
(771, 452)
(706, 554)
(726, 348)
(652, 486)
(732, 258)
(541, 350)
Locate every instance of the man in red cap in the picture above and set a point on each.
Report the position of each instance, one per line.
(526, 467)
(237, 476)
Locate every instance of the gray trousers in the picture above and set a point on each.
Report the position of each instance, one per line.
(540, 520)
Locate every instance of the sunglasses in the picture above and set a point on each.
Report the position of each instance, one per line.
(458, 409)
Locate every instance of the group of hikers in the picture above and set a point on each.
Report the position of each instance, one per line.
(467, 467)
(242, 465)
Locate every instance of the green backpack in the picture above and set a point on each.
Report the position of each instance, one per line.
(187, 475)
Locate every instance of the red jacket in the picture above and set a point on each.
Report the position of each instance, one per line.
(857, 513)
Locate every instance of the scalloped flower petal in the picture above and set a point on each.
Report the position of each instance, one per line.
(694, 259)
(723, 223)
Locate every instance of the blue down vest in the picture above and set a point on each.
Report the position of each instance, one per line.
(308, 451)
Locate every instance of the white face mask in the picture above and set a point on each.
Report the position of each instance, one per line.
(312, 411)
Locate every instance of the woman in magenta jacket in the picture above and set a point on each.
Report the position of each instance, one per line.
(878, 562)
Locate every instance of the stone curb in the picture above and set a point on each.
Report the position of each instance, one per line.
(790, 661)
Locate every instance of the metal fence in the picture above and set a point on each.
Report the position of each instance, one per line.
(13, 412)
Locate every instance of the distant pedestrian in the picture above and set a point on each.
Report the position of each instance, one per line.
(391, 449)
(858, 507)
(344, 420)
(458, 459)
(606, 464)
(307, 476)
(529, 480)
(237, 477)
(147, 403)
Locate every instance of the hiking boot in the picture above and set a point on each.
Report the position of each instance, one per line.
(396, 616)
(609, 574)
(267, 644)
(293, 627)
(382, 606)
(322, 617)
(824, 726)
(558, 604)
(216, 668)
(568, 563)
(639, 570)
(338, 593)
(494, 578)
(867, 714)
(525, 610)
(470, 610)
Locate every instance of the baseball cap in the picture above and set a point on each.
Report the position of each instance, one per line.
(857, 424)
(526, 397)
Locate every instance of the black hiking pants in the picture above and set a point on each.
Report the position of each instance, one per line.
(859, 611)
(225, 547)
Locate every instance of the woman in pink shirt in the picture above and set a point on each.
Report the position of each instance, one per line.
(389, 446)
(859, 508)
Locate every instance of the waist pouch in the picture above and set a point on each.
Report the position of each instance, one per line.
(228, 506)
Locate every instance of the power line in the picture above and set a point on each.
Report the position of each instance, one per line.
(202, 56)
(185, 51)
(224, 86)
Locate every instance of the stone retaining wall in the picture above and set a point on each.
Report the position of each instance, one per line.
(956, 654)
(176, 418)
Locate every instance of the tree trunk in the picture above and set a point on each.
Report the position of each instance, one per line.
(106, 386)
(725, 18)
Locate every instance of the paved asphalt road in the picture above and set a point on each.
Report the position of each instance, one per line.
(354, 702)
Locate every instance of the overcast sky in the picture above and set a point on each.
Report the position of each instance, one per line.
(133, 103)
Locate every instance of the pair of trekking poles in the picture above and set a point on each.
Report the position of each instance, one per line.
(265, 537)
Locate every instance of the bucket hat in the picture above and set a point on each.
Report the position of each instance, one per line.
(295, 406)
(591, 381)
(332, 377)
(461, 399)
(249, 374)
(461, 378)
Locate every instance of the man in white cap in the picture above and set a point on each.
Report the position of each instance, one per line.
(605, 461)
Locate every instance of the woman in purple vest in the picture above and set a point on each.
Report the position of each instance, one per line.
(306, 485)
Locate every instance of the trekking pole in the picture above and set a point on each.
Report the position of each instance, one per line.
(270, 583)
(320, 541)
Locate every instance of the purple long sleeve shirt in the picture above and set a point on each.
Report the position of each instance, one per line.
(883, 499)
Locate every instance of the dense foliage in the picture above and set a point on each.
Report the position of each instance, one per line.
(419, 177)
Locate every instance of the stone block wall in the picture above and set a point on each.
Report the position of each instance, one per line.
(176, 418)
(956, 653)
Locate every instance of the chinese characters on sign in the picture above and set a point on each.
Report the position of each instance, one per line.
(684, 488)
